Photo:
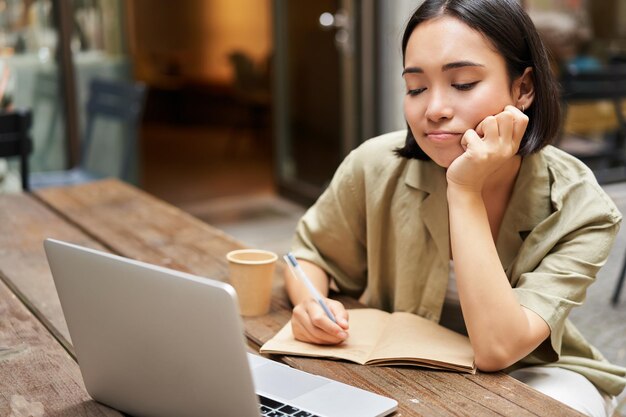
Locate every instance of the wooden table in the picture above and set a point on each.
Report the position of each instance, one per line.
(38, 372)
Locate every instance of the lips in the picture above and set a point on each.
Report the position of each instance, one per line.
(443, 136)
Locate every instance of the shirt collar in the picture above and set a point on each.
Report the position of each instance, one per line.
(425, 175)
(529, 205)
(431, 178)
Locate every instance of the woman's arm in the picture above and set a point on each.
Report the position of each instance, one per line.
(297, 291)
(309, 323)
(331, 235)
(500, 329)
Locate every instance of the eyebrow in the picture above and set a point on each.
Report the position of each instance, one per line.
(446, 67)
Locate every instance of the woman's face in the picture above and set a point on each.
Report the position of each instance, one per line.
(454, 79)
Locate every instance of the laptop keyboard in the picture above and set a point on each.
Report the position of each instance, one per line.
(273, 408)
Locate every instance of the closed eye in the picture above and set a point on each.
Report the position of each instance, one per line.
(415, 91)
(466, 86)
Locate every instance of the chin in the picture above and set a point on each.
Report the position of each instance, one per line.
(442, 155)
(445, 161)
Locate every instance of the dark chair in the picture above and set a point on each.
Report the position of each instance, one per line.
(15, 139)
(607, 156)
(115, 100)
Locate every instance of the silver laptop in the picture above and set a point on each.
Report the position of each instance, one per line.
(156, 342)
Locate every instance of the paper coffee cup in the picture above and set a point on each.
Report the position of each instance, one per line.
(251, 274)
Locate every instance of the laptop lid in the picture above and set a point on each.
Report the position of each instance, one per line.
(152, 341)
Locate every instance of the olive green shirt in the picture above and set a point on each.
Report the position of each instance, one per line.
(382, 226)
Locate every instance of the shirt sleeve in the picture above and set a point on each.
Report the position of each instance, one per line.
(332, 234)
(571, 245)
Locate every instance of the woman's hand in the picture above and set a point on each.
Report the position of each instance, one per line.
(310, 324)
(494, 142)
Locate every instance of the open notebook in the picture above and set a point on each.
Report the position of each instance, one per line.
(380, 338)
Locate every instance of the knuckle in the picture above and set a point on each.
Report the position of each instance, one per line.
(299, 314)
(297, 310)
(317, 320)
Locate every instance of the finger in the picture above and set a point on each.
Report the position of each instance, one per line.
(306, 332)
(317, 322)
(340, 313)
(479, 129)
(514, 110)
(304, 329)
(490, 127)
(506, 120)
(321, 321)
(520, 122)
(470, 137)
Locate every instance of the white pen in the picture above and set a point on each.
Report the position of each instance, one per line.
(299, 273)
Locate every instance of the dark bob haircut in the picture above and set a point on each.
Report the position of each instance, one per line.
(513, 34)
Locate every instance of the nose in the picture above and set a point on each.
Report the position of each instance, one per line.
(438, 106)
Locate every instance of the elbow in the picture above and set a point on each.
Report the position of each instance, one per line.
(497, 350)
(493, 359)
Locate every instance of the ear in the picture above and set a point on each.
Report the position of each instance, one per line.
(524, 89)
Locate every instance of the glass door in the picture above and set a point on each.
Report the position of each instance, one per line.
(99, 50)
(316, 95)
(49, 51)
(30, 75)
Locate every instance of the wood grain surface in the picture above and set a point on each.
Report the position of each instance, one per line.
(37, 376)
(24, 224)
(131, 223)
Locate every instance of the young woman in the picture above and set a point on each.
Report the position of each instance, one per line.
(469, 217)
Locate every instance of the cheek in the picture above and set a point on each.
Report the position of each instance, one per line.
(413, 111)
(477, 112)
(485, 104)
(407, 108)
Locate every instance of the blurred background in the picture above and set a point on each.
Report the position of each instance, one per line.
(257, 97)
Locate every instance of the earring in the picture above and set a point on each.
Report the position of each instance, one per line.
(523, 108)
